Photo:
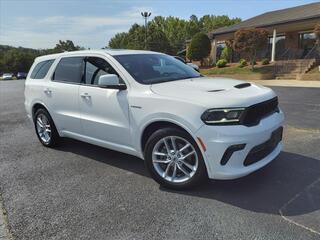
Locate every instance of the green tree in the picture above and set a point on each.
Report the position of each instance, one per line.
(119, 41)
(136, 37)
(67, 45)
(176, 30)
(199, 48)
(212, 22)
(157, 40)
(249, 41)
(13, 59)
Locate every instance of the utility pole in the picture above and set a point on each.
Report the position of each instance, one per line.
(145, 15)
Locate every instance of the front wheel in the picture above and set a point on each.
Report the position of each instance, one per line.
(174, 159)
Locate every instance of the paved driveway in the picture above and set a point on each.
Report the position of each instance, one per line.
(80, 191)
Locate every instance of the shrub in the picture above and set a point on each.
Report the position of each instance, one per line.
(222, 63)
(199, 48)
(265, 61)
(226, 53)
(242, 63)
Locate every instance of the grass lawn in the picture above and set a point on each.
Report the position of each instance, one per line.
(259, 72)
(234, 69)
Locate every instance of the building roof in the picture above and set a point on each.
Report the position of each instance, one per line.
(299, 13)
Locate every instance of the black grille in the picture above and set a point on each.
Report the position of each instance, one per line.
(255, 113)
(259, 152)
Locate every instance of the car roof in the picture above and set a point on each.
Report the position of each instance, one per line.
(112, 52)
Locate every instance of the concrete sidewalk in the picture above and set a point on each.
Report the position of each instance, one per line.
(288, 83)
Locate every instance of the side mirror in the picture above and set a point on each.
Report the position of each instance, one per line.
(111, 81)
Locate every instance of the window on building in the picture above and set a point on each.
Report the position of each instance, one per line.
(307, 41)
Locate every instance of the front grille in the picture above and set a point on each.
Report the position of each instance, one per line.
(259, 152)
(255, 113)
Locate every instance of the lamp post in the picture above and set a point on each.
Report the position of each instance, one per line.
(145, 15)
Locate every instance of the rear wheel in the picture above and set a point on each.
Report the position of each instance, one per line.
(45, 128)
(174, 159)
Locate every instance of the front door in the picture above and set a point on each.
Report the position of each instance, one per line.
(104, 112)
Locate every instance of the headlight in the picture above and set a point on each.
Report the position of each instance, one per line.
(222, 116)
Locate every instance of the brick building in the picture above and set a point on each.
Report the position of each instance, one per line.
(291, 33)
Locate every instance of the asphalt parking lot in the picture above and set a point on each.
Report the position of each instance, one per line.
(80, 191)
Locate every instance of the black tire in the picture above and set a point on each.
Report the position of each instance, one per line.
(54, 138)
(201, 172)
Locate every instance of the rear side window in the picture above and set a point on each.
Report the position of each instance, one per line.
(41, 69)
(69, 69)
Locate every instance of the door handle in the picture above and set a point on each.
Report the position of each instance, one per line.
(47, 91)
(85, 95)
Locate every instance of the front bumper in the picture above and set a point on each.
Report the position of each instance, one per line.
(219, 138)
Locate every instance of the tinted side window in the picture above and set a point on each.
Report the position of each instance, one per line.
(69, 69)
(41, 69)
(95, 67)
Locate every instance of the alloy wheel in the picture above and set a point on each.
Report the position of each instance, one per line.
(43, 128)
(175, 159)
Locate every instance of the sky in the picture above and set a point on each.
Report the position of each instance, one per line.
(91, 23)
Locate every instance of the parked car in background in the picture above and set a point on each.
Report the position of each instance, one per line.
(185, 126)
(194, 66)
(21, 75)
(7, 76)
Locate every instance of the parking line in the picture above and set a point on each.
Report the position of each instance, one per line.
(291, 200)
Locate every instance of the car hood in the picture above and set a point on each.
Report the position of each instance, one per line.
(214, 92)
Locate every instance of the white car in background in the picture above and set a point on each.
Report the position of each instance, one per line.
(185, 126)
(7, 76)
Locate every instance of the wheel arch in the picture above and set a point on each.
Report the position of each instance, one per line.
(36, 106)
(153, 126)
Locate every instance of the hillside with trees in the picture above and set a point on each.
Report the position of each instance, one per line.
(165, 34)
(168, 34)
(19, 59)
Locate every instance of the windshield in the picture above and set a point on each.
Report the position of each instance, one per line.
(155, 68)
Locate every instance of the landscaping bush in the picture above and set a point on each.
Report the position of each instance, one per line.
(222, 63)
(242, 63)
(265, 61)
(199, 48)
(226, 53)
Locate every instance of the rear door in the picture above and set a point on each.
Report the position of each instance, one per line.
(62, 94)
(104, 111)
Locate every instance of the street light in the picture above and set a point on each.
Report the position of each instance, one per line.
(145, 15)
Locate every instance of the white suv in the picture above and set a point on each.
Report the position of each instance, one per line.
(185, 126)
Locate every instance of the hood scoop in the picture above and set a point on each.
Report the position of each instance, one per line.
(242, 85)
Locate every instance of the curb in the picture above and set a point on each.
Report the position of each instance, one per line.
(288, 83)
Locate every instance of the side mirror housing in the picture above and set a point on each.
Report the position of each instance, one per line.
(111, 81)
